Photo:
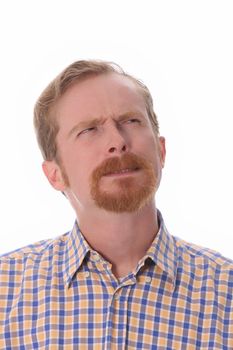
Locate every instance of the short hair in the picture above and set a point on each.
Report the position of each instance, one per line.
(45, 123)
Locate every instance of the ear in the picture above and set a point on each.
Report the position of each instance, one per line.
(54, 175)
(162, 150)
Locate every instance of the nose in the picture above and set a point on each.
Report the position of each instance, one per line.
(117, 141)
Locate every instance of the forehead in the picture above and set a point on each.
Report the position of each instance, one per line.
(103, 95)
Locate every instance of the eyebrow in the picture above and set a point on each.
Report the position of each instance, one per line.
(98, 121)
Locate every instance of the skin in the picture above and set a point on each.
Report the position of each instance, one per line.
(122, 125)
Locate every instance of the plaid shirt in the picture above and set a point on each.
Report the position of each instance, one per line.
(61, 294)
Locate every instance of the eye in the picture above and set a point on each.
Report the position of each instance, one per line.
(86, 131)
(132, 121)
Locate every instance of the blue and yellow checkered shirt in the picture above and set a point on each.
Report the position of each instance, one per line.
(61, 294)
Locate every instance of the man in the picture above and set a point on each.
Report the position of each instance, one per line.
(118, 280)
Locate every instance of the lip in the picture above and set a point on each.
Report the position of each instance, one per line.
(123, 173)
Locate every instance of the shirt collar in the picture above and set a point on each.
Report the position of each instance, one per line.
(76, 250)
(163, 250)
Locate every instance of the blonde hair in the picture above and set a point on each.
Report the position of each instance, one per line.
(45, 123)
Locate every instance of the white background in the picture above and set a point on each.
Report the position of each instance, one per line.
(183, 51)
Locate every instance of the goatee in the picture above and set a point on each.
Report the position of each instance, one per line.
(129, 193)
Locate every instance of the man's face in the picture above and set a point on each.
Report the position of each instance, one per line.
(109, 155)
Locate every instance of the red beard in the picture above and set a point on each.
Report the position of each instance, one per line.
(132, 192)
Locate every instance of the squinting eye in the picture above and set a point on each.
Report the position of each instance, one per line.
(85, 131)
(133, 120)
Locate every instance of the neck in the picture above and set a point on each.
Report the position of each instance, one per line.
(122, 239)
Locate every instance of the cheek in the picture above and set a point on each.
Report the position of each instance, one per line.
(153, 153)
(79, 171)
(77, 165)
(147, 147)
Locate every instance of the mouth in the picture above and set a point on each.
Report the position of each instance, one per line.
(122, 172)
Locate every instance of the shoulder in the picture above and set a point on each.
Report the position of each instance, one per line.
(23, 270)
(35, 253)
(195, 257)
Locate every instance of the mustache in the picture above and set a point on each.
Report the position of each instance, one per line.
(128, 161)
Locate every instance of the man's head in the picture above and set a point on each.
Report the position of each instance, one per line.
(98, 134)
(45, 121)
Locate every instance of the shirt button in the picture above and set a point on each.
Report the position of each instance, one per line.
(86, 274)
(96, 258)
(116, 296)
(148, 279)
